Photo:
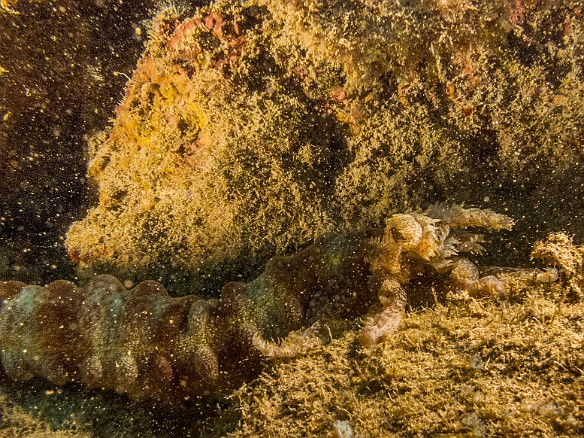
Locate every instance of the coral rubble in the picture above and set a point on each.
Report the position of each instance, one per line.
(251, 127)
(146, 344)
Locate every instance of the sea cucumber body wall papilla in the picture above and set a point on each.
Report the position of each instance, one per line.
(140, 342)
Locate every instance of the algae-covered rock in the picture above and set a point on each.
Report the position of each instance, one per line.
(250, 127)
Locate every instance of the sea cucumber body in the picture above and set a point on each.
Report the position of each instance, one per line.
(148, 345)
(140, 342)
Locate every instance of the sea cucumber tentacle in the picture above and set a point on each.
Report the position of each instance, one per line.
(295, 344)
(381, 325)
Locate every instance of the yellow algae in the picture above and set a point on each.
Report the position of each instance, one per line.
(450, 370)
(6, 6)
(299, 118)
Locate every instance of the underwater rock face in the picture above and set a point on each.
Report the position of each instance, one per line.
(148, 345)
(250, 128)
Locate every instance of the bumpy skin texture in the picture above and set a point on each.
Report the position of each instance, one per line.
(146, 344)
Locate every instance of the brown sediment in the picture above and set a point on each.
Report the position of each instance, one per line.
(470, 368)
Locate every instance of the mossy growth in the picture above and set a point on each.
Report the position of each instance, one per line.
(474, 368)
(250, 127)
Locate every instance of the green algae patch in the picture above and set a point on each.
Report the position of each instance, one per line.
(249, 128)
(475, 368)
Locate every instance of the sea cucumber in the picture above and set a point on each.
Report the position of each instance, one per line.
(148, 345)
